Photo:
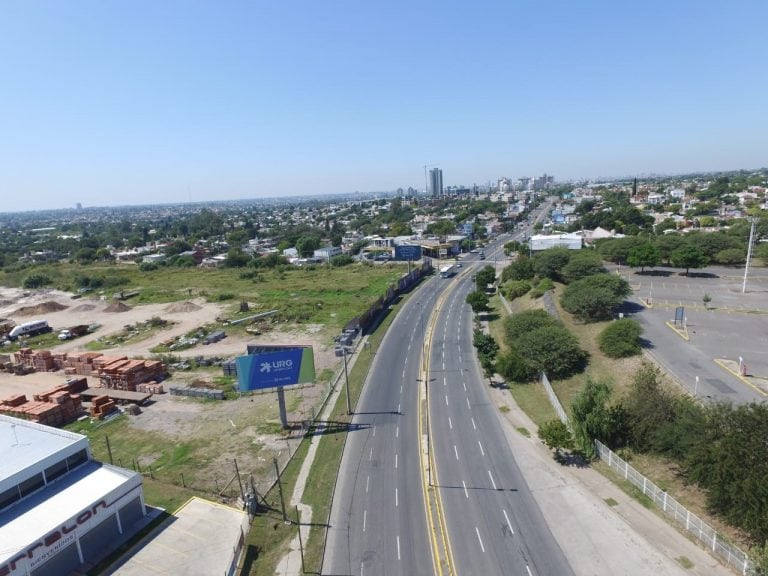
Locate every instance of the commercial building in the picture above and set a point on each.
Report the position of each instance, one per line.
(436, 182)
(542, 242)
(60, 510)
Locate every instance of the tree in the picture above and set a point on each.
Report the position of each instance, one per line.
(595, 297)
(521, 269)
(236, 258)
(306, 245)
(550, 262)
(583, 263)
(621, 338)
(731, 256)
(667, 244)
(688, 257)
(551, 349)
(515, 289)
(590, 415)
(706, 299)
(478, 301)
(645, 255)
(617, 249)
(555, 434)
(486, 276)
(649, 407)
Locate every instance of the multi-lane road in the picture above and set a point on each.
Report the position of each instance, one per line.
(381, 519)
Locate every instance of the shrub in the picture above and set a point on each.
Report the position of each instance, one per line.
(516, 288)
(514, 367)
(542, 287)
(620, 338)
(520, 269)
(342, 260)
(36, 281)
(518, 324)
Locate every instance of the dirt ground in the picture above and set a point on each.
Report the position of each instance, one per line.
(252, 420)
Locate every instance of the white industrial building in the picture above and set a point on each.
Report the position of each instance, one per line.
(543, 242)
(60, 510)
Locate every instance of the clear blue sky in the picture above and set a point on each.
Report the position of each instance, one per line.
(106, 102)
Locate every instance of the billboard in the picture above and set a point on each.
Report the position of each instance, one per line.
(407, 252)
(271, 367)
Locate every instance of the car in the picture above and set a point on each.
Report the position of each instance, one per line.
(458, 265)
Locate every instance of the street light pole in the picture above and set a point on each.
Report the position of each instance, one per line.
(346, 382)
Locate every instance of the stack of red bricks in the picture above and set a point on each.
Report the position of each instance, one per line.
(54, 408)
(124, 374)
(81, 364)
(101, 406)
(41, 361)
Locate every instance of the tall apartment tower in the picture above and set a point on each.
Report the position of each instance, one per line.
(436, 182)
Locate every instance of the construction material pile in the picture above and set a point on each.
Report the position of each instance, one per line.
(124, 374)
(150, 388)
(56, 407)
(101, 406)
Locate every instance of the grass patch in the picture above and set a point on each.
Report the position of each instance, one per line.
(269, 538)
(524, 431)
(611, 502)
(685, 562)
(503, 409)
(627, 487)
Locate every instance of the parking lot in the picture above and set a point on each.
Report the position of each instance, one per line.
(730, 326)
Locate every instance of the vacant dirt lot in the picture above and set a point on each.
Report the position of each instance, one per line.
(246, 428)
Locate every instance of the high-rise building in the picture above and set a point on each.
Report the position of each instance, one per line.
(436, 182)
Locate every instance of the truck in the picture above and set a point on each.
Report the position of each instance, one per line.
(29, 329)
(74, 332)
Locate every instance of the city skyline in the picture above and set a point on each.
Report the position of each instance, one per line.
(117, 105)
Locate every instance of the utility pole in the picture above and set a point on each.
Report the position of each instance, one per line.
(749, 253)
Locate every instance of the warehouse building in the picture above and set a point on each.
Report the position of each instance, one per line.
(60, 510)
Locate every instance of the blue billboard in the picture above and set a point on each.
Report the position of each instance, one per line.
(274, 368)
(407, 252)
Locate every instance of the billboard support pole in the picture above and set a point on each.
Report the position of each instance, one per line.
(281, 404)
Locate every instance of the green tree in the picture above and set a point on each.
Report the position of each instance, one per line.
(617, 249)
(515, 289)
(306, 245)
(478, 301)
(649, 407)
(485, 277)
(644, 255)
(730, 257)
(551, 349)
(555, 434)
(582, 263)
(550, 263)
(688, 257)
(621, 338)
(590, 416)
(667, 244)
(236, 258)
(514, 367)
(521, 269)
(595, 297)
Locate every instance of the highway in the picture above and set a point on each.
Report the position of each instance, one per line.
(494, 524)
(378, 520)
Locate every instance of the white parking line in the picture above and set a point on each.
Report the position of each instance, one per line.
(395, 459)
(398, 547)
(365, 518)
(473, 424)
(528, 570)
(374, 431)
(455, 451)
(397, 499)
(465, 386)
(450, 424)
(465, 489)
(397, 431)
(468, 406)
(481, 448)
(370, 454)
(445, 381)
(367, 482)
(492, 482)
(446, 399)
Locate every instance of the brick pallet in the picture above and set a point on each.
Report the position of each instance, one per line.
(54, 408)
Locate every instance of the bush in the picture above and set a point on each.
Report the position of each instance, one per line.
(620, 338)
(542, 287)
(582, 264)
(516, 288)
(514, 367)
(730, 257)
(550, 262)
(147, 267)
(595, 297)
(520, 269)
(342, 260)
(518, 324)
(36, 281)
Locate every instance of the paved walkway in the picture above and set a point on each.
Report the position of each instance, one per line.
(290, 564)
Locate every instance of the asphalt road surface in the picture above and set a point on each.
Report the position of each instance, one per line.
(494, 524)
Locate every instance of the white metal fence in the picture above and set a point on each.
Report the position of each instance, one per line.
(555, 402)
(682, 517)
(731, 556)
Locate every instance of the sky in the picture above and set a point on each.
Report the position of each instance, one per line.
(135, 102)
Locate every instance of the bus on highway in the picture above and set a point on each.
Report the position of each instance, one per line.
(447, 271)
